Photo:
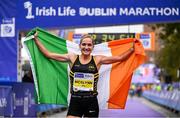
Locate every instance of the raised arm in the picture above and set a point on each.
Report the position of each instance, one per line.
(51, 55)
(113, 59)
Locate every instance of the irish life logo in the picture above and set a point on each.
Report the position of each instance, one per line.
(28, 6)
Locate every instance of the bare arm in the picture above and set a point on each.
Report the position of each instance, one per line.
(113, 59)
(51, 55)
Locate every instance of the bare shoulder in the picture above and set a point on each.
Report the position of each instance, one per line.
(98, 58)
(72, 57)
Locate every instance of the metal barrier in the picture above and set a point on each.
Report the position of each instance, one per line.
(18, 100)
(170, 99)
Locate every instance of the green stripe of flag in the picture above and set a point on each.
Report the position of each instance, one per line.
(51, 76)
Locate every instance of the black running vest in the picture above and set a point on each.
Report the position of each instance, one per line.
(84, 78)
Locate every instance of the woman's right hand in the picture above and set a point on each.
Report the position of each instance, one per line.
(36, 35)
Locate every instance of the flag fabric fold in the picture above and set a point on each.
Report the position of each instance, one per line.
(51, 77)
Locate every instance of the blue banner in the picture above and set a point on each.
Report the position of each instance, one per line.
(6, 104)
(80, 13)
(8, 41)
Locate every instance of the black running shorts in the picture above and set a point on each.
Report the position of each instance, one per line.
(86, 106)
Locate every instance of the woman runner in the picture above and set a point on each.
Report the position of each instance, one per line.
(83, 75)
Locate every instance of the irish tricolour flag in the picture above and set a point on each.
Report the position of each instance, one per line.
(52, 77)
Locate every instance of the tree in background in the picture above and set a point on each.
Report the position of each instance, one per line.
(168, 58)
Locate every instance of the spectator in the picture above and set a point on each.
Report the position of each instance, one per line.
(28, 77)
(158, 88)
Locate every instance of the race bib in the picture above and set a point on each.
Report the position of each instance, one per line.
(83, 81)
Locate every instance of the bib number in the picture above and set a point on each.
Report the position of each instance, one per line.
(83, 82)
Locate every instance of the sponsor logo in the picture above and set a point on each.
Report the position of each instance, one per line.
(79, 75)
(3, 102)
(146, 40)
(28, 6)
(145, 36)
(91, 111)
(91, 68)
(8, 27)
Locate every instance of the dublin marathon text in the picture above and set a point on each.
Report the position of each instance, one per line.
(83, 11)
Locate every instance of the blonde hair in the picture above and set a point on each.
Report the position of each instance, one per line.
(86, 36)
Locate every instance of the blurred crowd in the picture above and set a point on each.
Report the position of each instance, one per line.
(137, 89)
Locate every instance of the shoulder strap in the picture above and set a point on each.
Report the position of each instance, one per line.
(77, 59)
(93, 61)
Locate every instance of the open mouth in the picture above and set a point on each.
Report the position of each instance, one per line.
(86, 51)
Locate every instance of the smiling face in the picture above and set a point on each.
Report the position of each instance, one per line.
(86, 46)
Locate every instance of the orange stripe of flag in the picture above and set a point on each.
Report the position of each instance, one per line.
(121, 73)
